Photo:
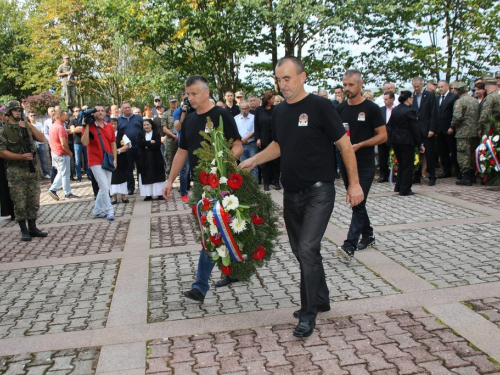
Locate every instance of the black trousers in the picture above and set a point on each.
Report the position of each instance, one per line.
(447, 147)
(383, 160)
(405, 155)
(306, 218)
(132, 160)
(360, 222)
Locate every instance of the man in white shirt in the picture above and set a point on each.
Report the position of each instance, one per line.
(245, 124)
(388, 86)
(40, 145)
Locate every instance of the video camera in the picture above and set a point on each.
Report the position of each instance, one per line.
(188, 106)
(86, 115)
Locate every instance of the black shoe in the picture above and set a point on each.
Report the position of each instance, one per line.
(406, 194)
(54, 195)
(125, 201)
(194, 294)
(131, 192)
(383, 179)
(465, 180)
(225, 281)
(304, 329)
(445, 175)
(366, 242)
(33, 230)
(79, 180)
(322, 308)
(71, 196)
(277, 187)
(114, 202)
(148, 198)
(25, 234)
(432, 181)
(346, 251)
(160, 198)
(266, 187)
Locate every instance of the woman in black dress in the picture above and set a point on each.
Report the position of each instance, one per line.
(404, 136)
(119, 176)
(150, 164)
(263, 135)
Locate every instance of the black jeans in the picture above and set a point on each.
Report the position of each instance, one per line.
(447, 145)
(406, 157)
(132, 160)
(306, 218)
(360, 222)
(383, 160)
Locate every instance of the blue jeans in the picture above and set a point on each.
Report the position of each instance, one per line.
(250, 150)
(205, 267)
(78, 160)
(63, 165)
(184, 177)
(43, 158)
(102, 201)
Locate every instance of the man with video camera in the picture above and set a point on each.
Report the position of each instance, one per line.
(99, 137)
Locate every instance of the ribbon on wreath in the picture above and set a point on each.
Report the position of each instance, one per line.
(391, 175)
(491, 149)
(198, 218)
(226, 233)
(480, 168)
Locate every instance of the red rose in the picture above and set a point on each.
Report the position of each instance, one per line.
(204, 178)
(214, 181)
(235, 181)
(227, 270)
(259, 253)
(257, 220)
(203, 220)
(395, 160)
(195, 209)
(215, 241)
(492, 162)
(206, 204)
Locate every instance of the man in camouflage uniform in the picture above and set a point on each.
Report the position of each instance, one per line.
(18, 149)
(490, 105)
(167, 123)
(466, 128)
(68, 75)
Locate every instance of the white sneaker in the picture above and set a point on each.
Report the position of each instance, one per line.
(46, 177)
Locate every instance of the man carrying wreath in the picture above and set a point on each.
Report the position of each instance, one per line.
(207, 115)
(304, 129)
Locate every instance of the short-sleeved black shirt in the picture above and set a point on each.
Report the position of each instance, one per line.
(305, 132)
(362, 118)
(194, 123)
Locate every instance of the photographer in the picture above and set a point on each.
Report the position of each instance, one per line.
(102, 136)
(18, 150)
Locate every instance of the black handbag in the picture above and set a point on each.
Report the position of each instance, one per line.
(107, 158)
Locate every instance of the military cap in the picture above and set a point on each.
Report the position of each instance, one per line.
(172, 98)
(487, 75)
(460, 87)
(490, 81)
(66, 57)
(239, 93)
(157, 98)
(12, 104)
(497, 74)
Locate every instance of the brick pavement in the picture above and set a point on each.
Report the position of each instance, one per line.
(65, 316)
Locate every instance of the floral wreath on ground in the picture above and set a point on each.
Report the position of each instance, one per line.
(238, 222)
(487, 155)
(394, 164)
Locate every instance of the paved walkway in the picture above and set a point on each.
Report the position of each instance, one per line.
(99, 297)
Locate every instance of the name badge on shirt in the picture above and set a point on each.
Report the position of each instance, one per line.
(303, 119)
(361, 116)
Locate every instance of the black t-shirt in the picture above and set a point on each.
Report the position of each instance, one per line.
(194, 123)
(305, 132)
(235, 109)
(362, 118)
(77, 137)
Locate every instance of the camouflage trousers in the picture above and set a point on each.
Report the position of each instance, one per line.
(465, 153)
(170, 150)
(24, 191)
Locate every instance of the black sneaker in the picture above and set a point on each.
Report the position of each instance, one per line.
(194, 294)
(53, 194)
(346, 251)
(366, 242)
(71, 196)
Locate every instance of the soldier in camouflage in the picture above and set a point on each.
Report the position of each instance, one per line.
(18, 149)
(466, 128)
(171, 143)
(490, 105)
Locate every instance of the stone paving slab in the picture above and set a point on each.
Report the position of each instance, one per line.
(81, 189)
(394, 342)
(173, 230)
(54, 299)
(395, 209)
(275, 286)
(447, 256)
(174, 204)
(68, 361)
(487, 197)
(66, 241)
(488, 308)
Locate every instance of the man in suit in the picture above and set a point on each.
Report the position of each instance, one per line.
(383, 148)
(446, 143)
(426, 106)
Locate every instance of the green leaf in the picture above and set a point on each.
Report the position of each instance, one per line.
(226, 261)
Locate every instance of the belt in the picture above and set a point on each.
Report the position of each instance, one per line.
(310, 188)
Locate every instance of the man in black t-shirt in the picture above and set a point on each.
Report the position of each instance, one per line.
(198, 95)
(367, 129)
(304, 129)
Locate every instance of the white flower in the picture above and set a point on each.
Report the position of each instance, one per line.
(213, 229)
(223, 180)
(238, 225)
(482, 158)
(203, 195)
(220, 154)
(495, 138)
(213, 162)
(213, 170)
(222, 251)
(482, 147)
(210, 216)
(230, 202)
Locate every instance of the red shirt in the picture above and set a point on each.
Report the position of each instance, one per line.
(56, 132)
(94, 148)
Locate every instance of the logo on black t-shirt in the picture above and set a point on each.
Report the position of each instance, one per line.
(361, 116)
(303, 119)
(209, 125)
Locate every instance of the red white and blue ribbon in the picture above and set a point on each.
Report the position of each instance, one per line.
(480, 168)
(491, 149)
(226, 233)
(198, 217)
(391, 175)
